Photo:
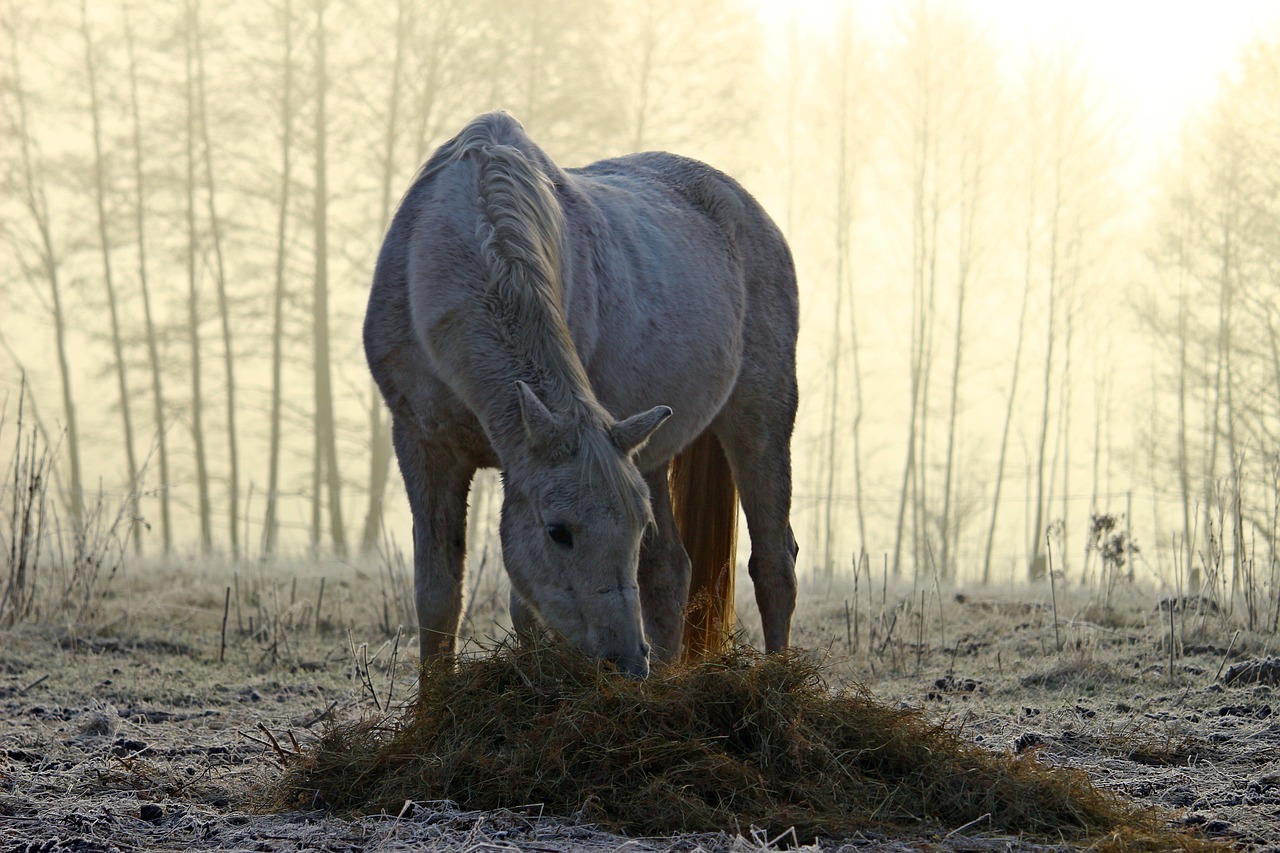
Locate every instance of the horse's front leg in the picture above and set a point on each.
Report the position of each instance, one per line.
(437, 480)
(664, 574)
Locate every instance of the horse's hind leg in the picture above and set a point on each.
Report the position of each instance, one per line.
(437, 480)
(757, 442)
(664, 573)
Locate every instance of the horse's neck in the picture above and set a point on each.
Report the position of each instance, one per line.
(538, 351)
(524, 246)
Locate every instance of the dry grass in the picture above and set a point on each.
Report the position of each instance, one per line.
(1078, 671)
(738, 740)
(51, 570)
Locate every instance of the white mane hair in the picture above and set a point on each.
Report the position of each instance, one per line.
(520, 230)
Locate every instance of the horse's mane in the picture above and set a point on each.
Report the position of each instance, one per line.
(520, 230)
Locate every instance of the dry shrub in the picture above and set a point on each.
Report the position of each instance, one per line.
(48, 570)
(737, 740)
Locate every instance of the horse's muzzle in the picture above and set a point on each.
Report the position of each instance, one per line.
(635, 665)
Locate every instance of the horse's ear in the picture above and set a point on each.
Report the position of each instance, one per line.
(540, 426)
(631, 434)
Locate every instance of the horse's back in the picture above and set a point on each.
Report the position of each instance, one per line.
(711, 290)
(754, 248)
(771, 316)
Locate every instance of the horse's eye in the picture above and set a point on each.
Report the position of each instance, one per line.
(560, 535)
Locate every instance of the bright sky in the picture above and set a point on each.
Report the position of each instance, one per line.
(1157, 61)
(1164, 59)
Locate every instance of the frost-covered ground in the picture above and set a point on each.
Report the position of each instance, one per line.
(131, 734)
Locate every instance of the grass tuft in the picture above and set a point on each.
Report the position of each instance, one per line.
(738, 740)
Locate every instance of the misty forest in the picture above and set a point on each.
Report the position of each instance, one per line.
(1020, 354)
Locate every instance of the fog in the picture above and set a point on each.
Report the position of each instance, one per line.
(1037, 271)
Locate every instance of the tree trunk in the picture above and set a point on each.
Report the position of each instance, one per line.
(37, 205)
(270, 524)
(224, 313)
(1100, 393)
(326, 446)
(104, 240)
(1064, 414)
(1028, 252)
(919, 238)
(193, 294)
(1223, 384)
(793, 98)
(433, 44)
(846, 277)
(923, 547)
(379, 432)
(153, 349)
(970, 193)
(1184, 474)
(1035, 569)
(842, 226)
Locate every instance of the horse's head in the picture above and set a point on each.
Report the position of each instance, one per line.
(573, 514)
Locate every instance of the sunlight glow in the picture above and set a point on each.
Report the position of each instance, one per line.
(1156, 63)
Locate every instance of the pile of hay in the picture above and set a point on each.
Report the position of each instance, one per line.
(738, 740)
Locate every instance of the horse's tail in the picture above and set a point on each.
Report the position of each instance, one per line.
(705, 503)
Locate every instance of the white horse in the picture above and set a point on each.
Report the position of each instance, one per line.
(579, 329)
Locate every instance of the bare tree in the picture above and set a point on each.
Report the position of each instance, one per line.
(37, 206)
(193, 291)
(437, 45)
(1016, 369)
(707, 51)
(924, 217)
(220, 282)
(104, 242)
(832, 456)
(1217, 251)
(1073, 204)
(379, 431)
(944, 78)
(325, 462)
(972, 173)
(849, 156)
(536, 57)
(1182, 235)
(270, 526)
(1226, 212)
(1053, 298)
(140, 227)
(845, 219)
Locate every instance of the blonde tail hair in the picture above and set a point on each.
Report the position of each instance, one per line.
(705, 503)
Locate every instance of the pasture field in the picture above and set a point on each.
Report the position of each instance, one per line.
(161, 718)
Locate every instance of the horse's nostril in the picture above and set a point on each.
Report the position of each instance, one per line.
(638, 669)
(645, 648)
(630, 666)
